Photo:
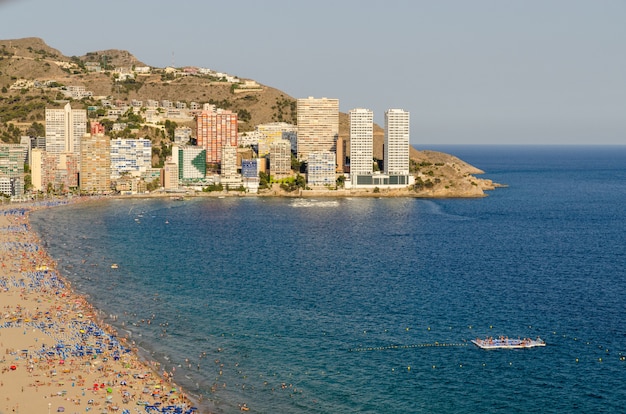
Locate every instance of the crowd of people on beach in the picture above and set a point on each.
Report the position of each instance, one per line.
(55, 354)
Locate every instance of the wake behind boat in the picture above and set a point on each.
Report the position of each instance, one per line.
(506, 343)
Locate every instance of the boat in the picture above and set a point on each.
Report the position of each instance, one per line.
(114, 266)
(507, 343)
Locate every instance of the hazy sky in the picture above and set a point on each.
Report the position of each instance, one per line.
(469, 71)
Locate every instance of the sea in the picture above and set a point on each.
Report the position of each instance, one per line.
(368, 305)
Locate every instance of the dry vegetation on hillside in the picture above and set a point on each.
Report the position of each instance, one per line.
(30, 59)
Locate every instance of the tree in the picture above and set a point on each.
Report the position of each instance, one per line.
(28, 182)
(341, 181)
(264, 180)
(243, 115)
(170, 127)
(36, 130)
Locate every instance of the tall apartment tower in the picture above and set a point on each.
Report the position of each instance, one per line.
(361, 143)
(318, 126)
(280, 158)
(95, 168)
(216, 129)
(64, 129)
(396, 142)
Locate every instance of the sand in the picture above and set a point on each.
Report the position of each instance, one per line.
(55, 356)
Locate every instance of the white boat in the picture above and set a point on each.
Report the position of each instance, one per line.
(507, 343)
(114, 266)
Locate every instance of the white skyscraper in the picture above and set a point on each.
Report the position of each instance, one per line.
(318, 125)
(361, 143)
(396, 152)
(64, 129)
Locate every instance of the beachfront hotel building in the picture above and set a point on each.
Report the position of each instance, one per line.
(280, 158)
(361, 144)
(133, 156)
(321, 169)
(169, 176)
(397, 132)
(95, 168)
(228, 168)
(191, 161)
(318, 126)
(64, 129)
(12, 158)
(42, 165)
(214, 130)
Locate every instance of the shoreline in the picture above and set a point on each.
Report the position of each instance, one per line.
(56, 353)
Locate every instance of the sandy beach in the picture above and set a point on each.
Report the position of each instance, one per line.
(55, 356)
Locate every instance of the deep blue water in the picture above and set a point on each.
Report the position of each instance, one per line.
(295, 305)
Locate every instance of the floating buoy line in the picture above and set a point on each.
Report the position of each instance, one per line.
(425, 345)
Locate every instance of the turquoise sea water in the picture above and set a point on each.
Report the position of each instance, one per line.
(368, 305)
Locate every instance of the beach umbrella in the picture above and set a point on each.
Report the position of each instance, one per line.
(60, 409)
(109, 390)
(13, 367)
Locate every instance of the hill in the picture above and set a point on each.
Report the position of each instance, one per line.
(33, 74)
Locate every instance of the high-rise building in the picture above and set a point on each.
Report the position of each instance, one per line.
(66, 171)
(95, 154)
(191, 162)
(170, 176)
(275, 131)
(228, 168)
(130, 155)
(397, 133)
(216, 129)
(318, 126)
(280, 158)
(321, 169)
(12, 157)
(361, 143)
(42, 168)
(64, 129)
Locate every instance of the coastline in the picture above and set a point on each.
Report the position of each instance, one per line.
(56, 355)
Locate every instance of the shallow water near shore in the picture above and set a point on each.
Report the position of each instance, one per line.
(368, 305)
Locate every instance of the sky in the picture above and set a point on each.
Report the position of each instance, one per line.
(469, 71)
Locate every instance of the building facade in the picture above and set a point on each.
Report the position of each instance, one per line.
(64, 129)
(95, 169)
(170, 176)
(318, 126)
(228, 168)
(12, 159)
(361, 143)
(275, 131)
(397, 137)
(280, 158)
(216, 129)
(191, 162)
(132, 156)
(321, 169)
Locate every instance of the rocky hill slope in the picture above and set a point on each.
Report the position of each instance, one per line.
(27, 64)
